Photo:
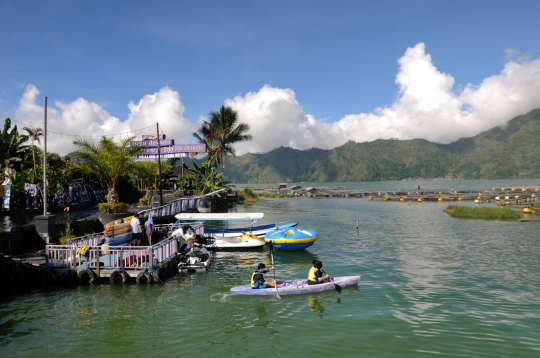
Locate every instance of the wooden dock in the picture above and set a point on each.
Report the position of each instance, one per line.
(85, 260)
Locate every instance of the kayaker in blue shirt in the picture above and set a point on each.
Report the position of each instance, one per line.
(316, 274)
(257, 278)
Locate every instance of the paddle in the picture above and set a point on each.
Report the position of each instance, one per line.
(336, 286)
(272, 256)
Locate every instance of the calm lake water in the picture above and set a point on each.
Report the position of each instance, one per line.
(431, 285)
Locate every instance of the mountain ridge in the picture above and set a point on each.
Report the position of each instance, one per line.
(507, 152)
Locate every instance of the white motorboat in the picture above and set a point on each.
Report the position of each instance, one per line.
(245, 241)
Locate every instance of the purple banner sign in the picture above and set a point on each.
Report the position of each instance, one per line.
(163, 156)
(178, 148)
(151, 143)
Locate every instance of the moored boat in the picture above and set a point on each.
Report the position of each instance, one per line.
(298, 287)
(259, 230)
(196, 260)
(211, 242)
(293, 239)
(118, 232)
(245, 241)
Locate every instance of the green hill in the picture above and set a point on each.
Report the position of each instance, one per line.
(512, 151)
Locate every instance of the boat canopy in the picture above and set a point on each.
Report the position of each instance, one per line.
(219, 216)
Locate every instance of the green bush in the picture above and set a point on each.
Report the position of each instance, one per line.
(178, 194)
(249, 193)
(144, 201)
(106, 208)
(65, 234)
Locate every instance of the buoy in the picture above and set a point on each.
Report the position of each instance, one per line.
(513, 189)
(420, 200)
(371, 197)
(402, 199)
(440, 200)
(503, 189)
(524, 189)
(476, 201)
(507, 198)
(357, 223)
(460, 199)
(497, 198)
(478, 197)
(527, 210)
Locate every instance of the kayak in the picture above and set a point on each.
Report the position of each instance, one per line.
(297, 287)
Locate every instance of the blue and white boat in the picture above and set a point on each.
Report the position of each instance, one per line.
(292, 239)
(258, 230)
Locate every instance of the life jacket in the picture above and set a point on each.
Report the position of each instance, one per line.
(83, 250)
(312, 276)
(256, 284)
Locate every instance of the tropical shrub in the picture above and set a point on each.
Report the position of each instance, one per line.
(107, 160)
(118, 208)
(145, 201)
(65, 234)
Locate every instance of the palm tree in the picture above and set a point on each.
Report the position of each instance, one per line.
(34, 134)
(12, 148)
(106, 160)
(221, 133)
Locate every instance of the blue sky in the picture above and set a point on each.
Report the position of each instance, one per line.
(302, 74)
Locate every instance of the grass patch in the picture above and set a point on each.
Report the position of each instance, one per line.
(65, 234)
(481, 213)
(274, 195)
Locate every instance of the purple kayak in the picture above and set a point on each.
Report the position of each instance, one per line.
(298, 287)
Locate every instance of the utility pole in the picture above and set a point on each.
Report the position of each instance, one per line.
(45, 162)
(159, 167)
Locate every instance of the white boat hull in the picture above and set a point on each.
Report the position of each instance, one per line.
(241, 244)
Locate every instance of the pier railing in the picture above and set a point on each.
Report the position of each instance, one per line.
(181, 205)
(113, 257)
(89, 240)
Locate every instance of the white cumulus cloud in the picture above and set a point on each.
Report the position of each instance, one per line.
(67, 122)
(427, 106)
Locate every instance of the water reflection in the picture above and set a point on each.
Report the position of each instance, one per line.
(316, 305)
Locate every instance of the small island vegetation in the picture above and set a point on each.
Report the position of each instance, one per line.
(459, 211)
